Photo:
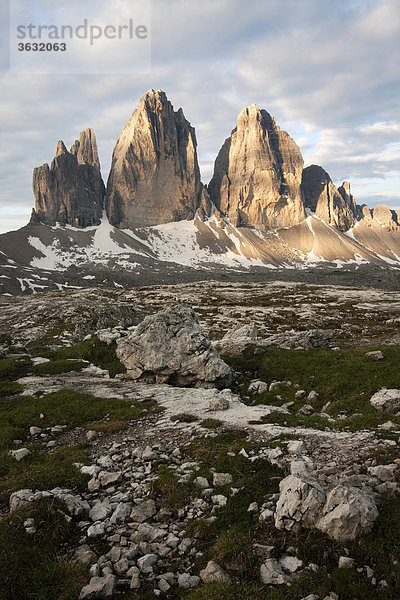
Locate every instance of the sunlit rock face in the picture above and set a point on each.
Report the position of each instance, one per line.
(154, 177)
(257, 174)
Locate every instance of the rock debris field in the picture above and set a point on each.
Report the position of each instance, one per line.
(206, 440)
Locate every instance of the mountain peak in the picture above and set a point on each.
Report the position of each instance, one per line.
(85, 149)
(71, 191)
(257, 174)
(61, 149)
(154, 176)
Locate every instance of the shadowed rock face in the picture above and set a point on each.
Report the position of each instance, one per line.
(334, 206)
(154, 175)
(71, 191)
(257, 174)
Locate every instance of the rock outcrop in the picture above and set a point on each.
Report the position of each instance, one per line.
(172, 347)
(70, 191)
(301, 500)
(347, 513)
(334, 206)
(342, 513)
(381, 216)
(257, 174)
(154, 175)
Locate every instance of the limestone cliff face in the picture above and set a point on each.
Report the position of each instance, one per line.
(257, 174)
(71, 191)
(334, 206)
(381, 216)
(154, 175)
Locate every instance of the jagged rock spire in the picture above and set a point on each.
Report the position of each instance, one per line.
(71, 191)
(257, 174)
(334, 206)
(154, 175)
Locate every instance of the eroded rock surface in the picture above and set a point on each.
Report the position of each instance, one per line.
(347, 513)
(386, 400)
(342, 513)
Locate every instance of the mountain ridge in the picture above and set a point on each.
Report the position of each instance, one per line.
(261, 210)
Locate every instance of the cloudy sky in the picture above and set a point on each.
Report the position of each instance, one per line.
(327, 70)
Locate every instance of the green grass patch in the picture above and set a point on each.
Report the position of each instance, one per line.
(347, 378)
(210, 450)
(10, 388)
(167, 492)
(12, 368)
(55, 367)
(294, 420)
(211, 423)
(33, 566)
(99, 353)
(64, 407)
(42, 471)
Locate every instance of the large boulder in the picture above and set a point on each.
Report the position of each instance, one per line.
(172, 347)
(347, 512)
(342, 513)
(300, 502)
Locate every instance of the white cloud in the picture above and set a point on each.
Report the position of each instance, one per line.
(327, 70)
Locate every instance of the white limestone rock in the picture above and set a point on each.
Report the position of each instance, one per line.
(300, 502)
(172, 347)
(99, 587)
(214, 573)
(272, 573)
(386, 400)
(347, 513)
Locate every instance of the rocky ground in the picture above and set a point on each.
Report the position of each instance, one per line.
(283, 486)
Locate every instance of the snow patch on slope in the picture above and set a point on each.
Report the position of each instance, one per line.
(177, 243)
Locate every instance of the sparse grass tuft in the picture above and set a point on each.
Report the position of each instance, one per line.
(211, 423)
(184, 418)
(34, 566)
(167, 492)
(41, 471)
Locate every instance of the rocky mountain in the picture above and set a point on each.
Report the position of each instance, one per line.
(155, 176)
(71, 191)
(334, 206)
(260, 213)
(257, 174)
